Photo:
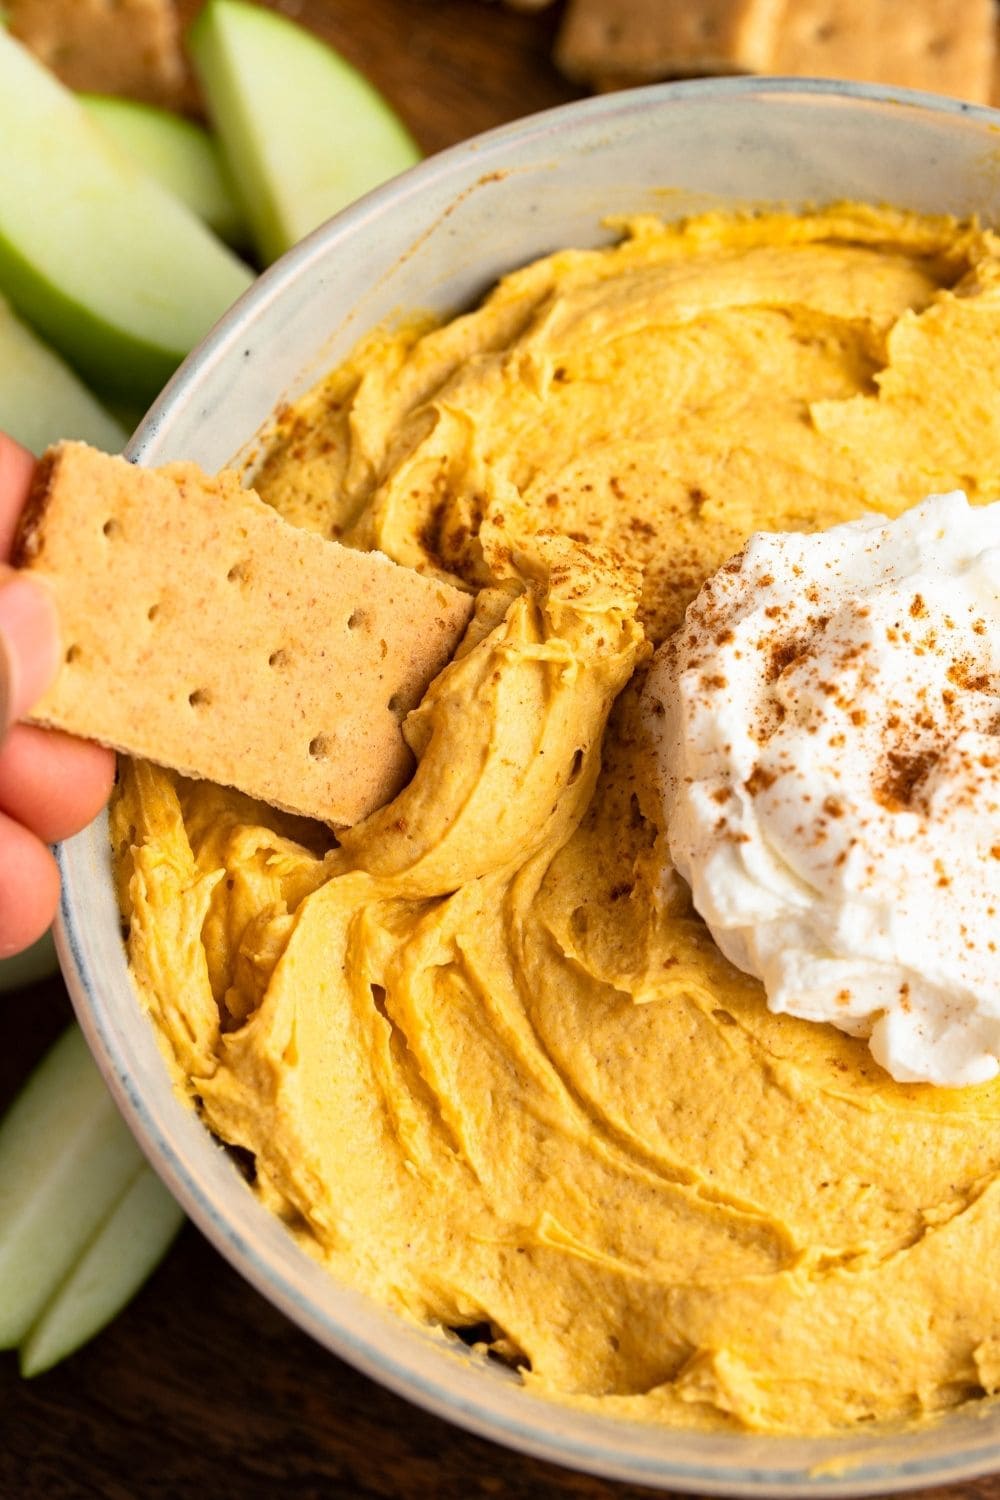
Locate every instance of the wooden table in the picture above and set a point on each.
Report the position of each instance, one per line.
(201, 1389)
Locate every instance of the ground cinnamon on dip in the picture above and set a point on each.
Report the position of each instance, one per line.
(849, 728)
(489, 1065)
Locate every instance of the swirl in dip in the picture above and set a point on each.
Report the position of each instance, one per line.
(490, 1065)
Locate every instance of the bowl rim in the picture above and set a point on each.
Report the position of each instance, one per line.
(232, 1233)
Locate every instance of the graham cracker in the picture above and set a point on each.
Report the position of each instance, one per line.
(130, 47)
(203, 632)
(646, 39)
(937, 45)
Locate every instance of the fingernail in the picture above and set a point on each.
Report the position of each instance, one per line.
(29, 646)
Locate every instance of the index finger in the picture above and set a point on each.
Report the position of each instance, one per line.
(17, 467)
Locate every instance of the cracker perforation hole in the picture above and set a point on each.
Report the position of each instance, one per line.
(111, 527)
(238, 573)
(397, 704)
(73, 654)
(575, 766)
(321, 747)
(199, 698)
(358, 619)
(152, 612)
(278, 659)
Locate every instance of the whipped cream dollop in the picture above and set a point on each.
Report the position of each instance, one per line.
(827, 730)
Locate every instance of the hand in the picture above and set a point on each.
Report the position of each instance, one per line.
(50, 785)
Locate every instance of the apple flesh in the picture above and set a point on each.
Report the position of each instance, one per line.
(304, 133)
(66, 1158)
(181, 155)
(111, 269)
(125, 1250)
(41, 401)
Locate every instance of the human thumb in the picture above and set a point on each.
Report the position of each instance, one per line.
(29, 643)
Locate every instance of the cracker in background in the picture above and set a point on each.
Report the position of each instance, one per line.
(944, 46)
(131, 47)
(643, 39)
(203, 632)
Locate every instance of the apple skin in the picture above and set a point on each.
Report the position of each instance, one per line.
(304, 133)
(121, 278)
(41, 401)
(182, 156)
(66, 1157)
(38, 961)
(126, 1249)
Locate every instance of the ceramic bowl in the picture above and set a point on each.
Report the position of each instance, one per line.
(437, 238)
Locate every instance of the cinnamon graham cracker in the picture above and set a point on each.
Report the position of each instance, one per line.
(131, 47)
(937, 45)
(646, 39)
(203, 632)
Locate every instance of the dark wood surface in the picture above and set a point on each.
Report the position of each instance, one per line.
(201, 1389)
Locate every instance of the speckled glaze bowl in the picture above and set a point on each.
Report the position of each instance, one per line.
(436, 239)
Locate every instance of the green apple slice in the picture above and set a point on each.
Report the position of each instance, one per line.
(303, 132)
(41, 401)
(126, 1249)
(66, 1157)
(181, 155)
(38, 961)
(105, 264)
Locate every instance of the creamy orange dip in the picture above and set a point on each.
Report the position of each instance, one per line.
(489, 1065)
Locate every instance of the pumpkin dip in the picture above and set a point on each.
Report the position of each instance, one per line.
(490, 1066)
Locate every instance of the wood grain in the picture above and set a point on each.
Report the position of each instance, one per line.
(201, 1389)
